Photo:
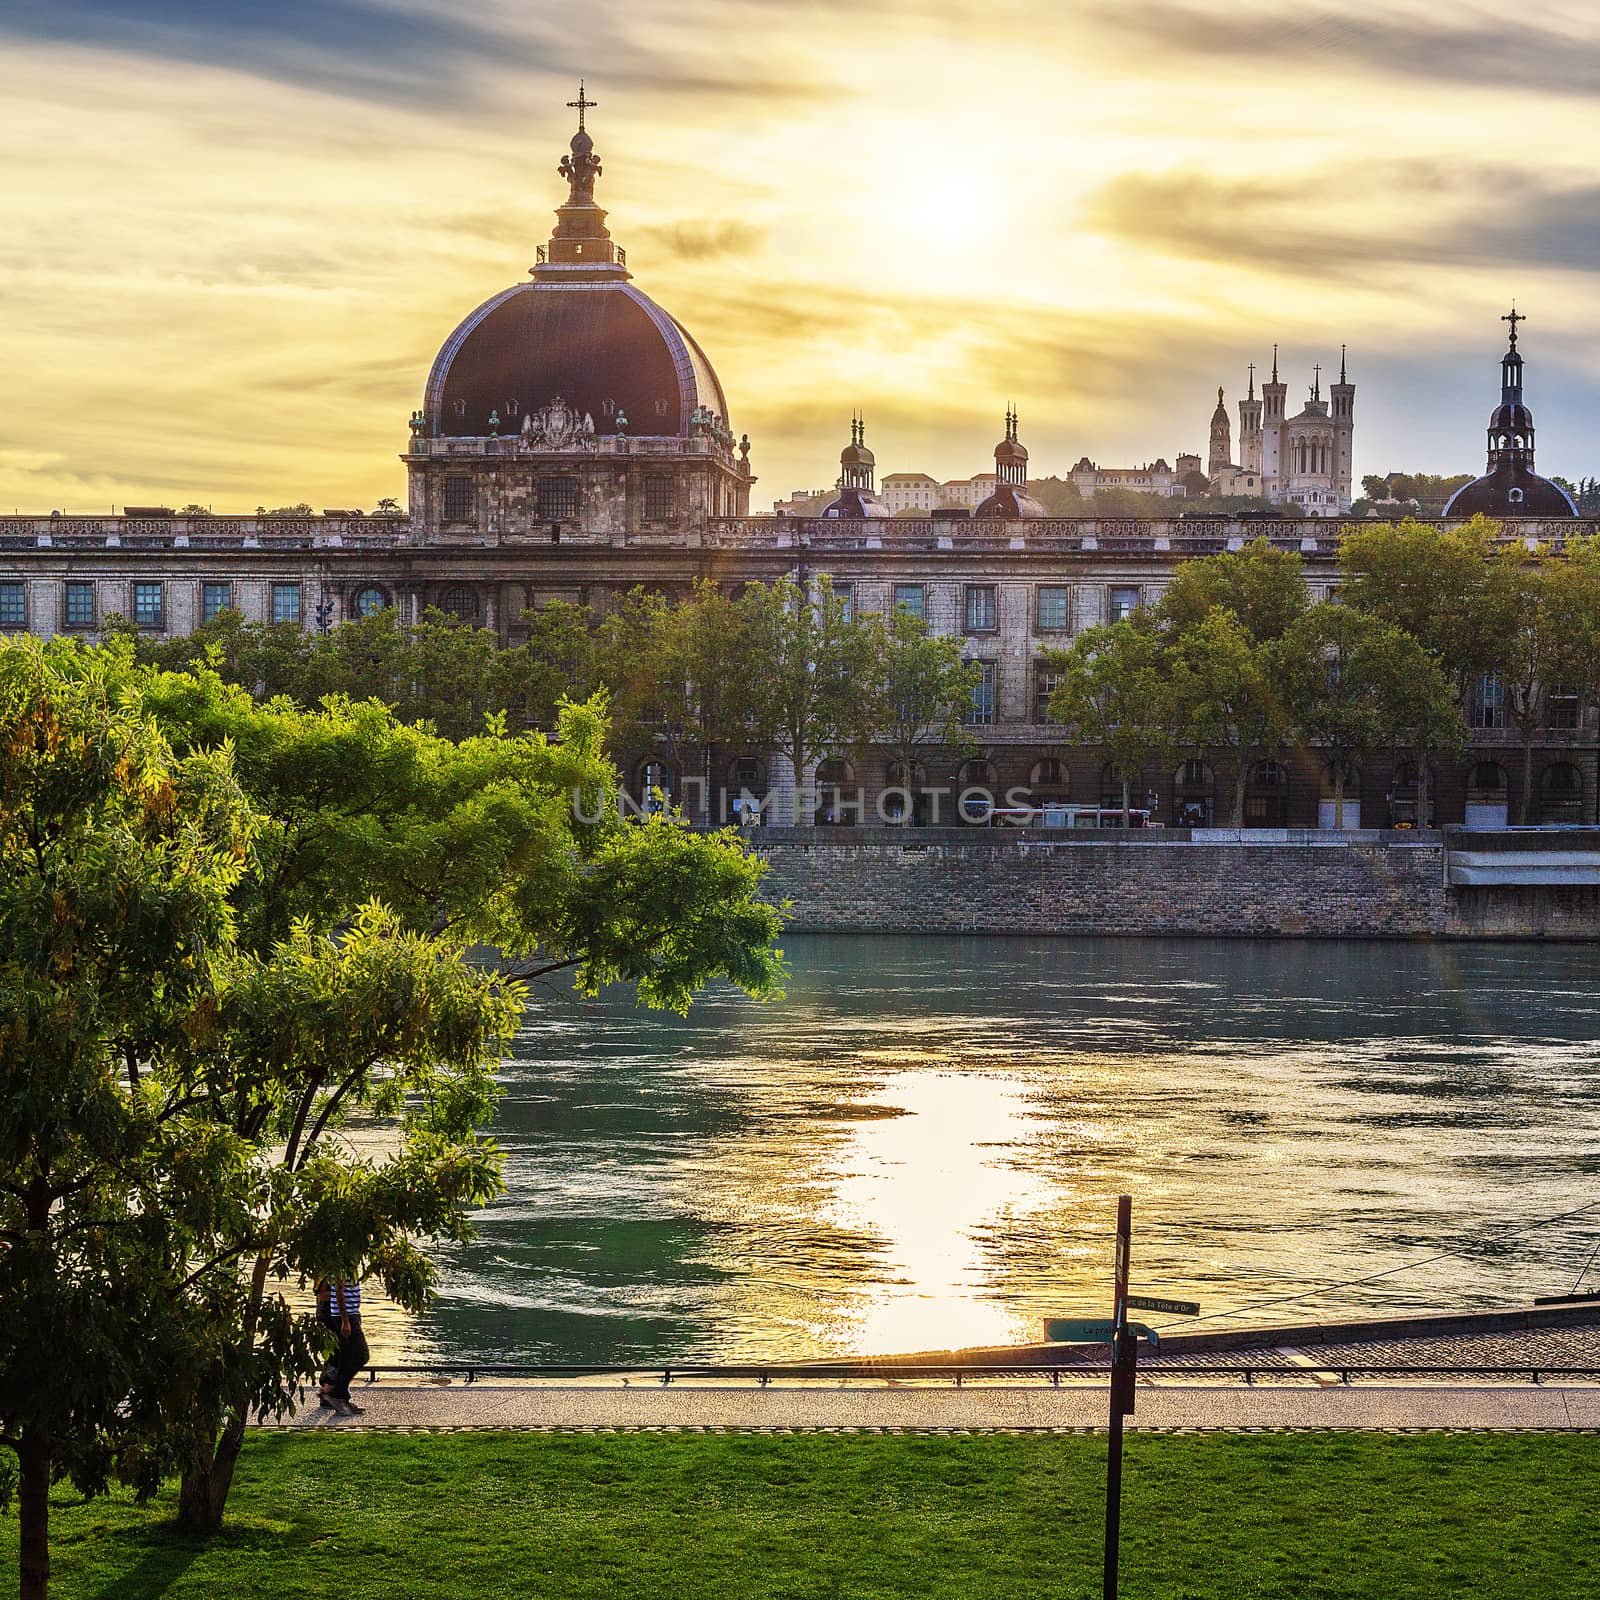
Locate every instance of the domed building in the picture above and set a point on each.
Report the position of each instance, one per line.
(573, 399)
(1511, 488)
(1010, 497)
(856, 499)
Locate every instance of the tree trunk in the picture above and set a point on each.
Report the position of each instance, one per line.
(1527, 773)
(203, 1493)
(1338, 797)
(1422, 790)
(33, 1508)
(1127, 819)
(1240, 777)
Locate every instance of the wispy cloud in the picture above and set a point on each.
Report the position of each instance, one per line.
(1522, 48)
(1343, 220)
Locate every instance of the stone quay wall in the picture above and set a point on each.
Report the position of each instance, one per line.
(958, 880)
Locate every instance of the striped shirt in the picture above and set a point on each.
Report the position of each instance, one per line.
(344, 1300)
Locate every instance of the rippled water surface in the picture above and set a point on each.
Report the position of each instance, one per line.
(920, 1147)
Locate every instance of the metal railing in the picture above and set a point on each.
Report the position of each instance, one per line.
(765, 1376)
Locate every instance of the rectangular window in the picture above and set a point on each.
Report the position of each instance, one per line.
(149, 611)
(286, 603)
(1487, 704)
(913, 597)
(845, 594)
(1124, 602)
(981, 711)
(77, 604)
(558, 499)
(458, 499)
(214, 597)
(1561, 709)
(1045, 684)
(981, 613)
(1054, 610)
(13, 605)
(660, 498)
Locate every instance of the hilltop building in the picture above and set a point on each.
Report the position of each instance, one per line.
(1156, 477)
(1305, 460)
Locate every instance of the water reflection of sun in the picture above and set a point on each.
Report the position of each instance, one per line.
(928, 1184)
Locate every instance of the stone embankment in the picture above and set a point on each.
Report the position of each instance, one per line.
(1206, 882)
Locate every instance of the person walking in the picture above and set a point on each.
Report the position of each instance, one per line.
(339, 1310)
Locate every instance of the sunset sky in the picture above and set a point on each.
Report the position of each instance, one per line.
(237, 233)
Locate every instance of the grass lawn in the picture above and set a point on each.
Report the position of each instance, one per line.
(811, 1517)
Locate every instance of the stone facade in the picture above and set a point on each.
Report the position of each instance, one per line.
(66, 574)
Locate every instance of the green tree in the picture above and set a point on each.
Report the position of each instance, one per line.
(1226, 687)
(316, 1008)
(705, 656)
(1119, 692)
(806, 690)
(1263, 587)
(1531, 649)
(630, 645)
(1355, 683)
(117, 860)
(1432, 582)
(921, 690)
(556, 662)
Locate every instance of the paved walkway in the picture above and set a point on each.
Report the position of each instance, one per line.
(986, 1406)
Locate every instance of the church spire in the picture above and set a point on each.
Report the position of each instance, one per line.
(1252, 394)
(1343, 349)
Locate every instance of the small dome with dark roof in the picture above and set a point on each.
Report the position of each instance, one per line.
(1011, 501)
(1511, 488)
(856, 499)
(1010, 498)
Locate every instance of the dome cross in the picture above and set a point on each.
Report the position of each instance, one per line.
(1513, 316)
(582, 104)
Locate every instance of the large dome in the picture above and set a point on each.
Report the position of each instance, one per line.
(580, 333)
(599, 344)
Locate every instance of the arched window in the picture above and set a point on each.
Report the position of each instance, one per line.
(902, 799)
(1405, 796)
(1514, 497)
(657, 785)
(746, 789)
(459, 602)
(1192, 786)
(1487, 796)
(1562, 787)
(838, 801)
(1266, 795)
(368, 600)
(1049, 775)
(975, 790)
(1352, 797)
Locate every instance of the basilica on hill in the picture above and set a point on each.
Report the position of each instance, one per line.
(573, 441)
(1303, 460)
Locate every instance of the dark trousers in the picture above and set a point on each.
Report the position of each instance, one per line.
(348, 1359)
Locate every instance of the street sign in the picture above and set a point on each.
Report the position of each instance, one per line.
(1066, 1330)
(1176, 1308)
(1079, 1330)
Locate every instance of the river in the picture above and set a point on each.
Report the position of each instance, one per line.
(920, 1147)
